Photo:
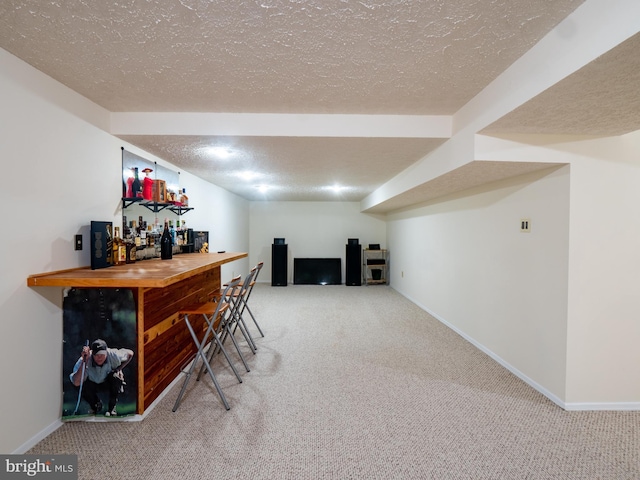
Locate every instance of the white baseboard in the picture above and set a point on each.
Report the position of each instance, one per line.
(577, 406)
(41, 435)
(618, 406)
(25, 447)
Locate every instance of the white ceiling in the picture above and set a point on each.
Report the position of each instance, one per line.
(368, 57)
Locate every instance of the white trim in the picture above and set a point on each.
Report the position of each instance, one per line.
(578, 406)
(41, 435)
(617, 406)
(58, 423)
(281, 124)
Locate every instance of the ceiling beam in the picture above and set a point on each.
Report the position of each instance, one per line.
(281, 125)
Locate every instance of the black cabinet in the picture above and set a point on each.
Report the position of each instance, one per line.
(279, 260)
(353, 264)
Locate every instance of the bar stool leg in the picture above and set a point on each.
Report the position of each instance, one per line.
(245, 332)
(200, 354)
(212, 350)
(239, 323)
(217, 385)
(254, 319)
(235, 343)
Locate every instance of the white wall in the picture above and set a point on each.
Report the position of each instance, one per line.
(558, 306)
(61, 172)
(603, 361)
(310, 229)
(464, 259)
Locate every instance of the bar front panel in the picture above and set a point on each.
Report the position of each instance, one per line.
(166, 342)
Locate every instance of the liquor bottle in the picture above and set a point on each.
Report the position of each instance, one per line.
(179, 241)
(126, 230)
(129, 189)
(109, 252)
(136, 186)
(119, 248)
(129, 241)
(154, 233)
(122, 251)
(130, 249)
(143, 238)
(166, 249)
(172, 231)
(135, 234)
(184, 200)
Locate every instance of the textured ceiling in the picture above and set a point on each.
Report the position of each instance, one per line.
(393, 57)
(277, 56)
(601, 99)
(295, 167)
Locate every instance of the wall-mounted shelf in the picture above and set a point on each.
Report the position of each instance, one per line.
(127, 202)
(155, 206)
(179, 209)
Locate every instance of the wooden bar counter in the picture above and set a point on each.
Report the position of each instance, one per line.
(161, 288)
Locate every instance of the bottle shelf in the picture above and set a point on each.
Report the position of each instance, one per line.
(178, 209)
(155, 206)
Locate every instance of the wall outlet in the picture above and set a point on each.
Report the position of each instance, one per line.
(525, 225)
(78, 242)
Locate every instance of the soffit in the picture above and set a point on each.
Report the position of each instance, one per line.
(600, 99)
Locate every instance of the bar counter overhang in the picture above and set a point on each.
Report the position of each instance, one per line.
(160, 289)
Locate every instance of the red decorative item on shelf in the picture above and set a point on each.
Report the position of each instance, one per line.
(147, 185)
(129, 193)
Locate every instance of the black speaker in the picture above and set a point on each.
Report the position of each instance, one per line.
(279, 265)
(353, 265)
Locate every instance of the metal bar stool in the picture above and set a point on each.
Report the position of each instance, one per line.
(236, 299)
(223, 329)
(211, 312)
(245, 300)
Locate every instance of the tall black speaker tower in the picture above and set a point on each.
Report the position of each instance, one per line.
(353, 263)
(279, 264)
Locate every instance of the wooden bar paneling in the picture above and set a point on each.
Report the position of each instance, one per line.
(161, 289)
(160, 303)
(167, 343)
(165, 357)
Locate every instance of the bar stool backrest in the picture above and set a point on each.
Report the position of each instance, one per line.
(231, 289)
(258, 267)
(246, 287)
(235, 298)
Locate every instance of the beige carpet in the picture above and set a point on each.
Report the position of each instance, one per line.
(356, 383)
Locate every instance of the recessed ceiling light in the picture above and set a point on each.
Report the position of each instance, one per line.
(262, 188)
(335, 188)
(220, 152)
(248, 175)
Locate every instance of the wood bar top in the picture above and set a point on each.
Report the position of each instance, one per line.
(154, 273)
